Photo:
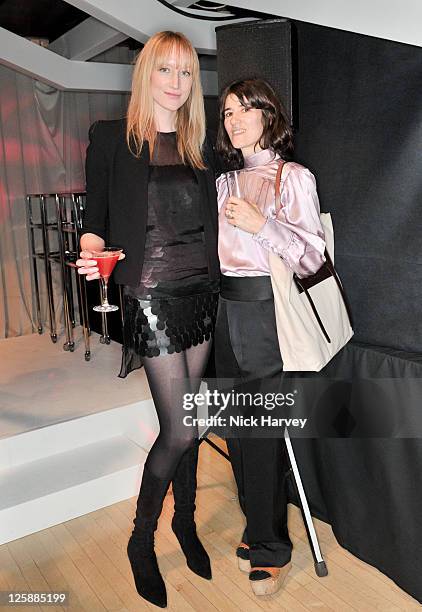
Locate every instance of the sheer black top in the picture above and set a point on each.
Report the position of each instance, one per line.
(175, 262)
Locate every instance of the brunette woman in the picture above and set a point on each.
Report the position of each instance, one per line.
(151, 190)
(255, 138)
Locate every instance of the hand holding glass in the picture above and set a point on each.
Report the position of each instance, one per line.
(106, 260)
(233, 189)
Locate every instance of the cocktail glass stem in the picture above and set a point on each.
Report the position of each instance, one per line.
(103, 288)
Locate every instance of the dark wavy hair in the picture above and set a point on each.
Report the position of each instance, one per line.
(277, 133)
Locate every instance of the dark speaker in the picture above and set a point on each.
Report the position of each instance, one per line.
(257, 49)
(211, 113)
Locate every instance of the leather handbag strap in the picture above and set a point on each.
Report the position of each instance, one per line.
(277, 186)
(331, 267)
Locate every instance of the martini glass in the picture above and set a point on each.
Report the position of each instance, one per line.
(106, 260)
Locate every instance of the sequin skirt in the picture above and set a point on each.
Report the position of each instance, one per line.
(161, 326)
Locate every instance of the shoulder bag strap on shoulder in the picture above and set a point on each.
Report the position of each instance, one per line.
(277, 185)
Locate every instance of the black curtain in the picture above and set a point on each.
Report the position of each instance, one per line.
(370, 488)
(359, 128)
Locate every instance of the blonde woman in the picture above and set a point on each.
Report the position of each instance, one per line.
(151, 190)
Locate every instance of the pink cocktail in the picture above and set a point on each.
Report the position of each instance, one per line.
(106, 260)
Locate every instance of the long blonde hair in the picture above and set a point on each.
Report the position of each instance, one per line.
(190, 119)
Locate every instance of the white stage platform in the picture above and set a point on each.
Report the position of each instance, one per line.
(73, 436)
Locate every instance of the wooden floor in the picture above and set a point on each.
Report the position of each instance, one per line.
(87, 558)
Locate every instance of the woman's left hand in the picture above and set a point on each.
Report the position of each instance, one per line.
(244, 215)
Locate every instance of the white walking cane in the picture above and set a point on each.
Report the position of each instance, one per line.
(319, 563)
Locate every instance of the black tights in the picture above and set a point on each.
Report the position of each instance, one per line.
(174, 438)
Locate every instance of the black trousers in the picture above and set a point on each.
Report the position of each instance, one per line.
(246, 348)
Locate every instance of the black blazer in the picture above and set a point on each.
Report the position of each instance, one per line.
(117, 192)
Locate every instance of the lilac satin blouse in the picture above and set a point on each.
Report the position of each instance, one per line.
(295, 233)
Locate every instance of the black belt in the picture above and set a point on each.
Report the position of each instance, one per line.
(246, 288)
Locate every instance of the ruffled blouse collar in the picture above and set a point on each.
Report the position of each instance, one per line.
(261, 158)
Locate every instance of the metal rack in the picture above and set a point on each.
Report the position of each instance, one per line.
(68, 208)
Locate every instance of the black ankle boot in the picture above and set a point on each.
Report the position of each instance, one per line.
(140, 549)
(183, 523)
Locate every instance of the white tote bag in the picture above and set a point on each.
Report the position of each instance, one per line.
(312, 314)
